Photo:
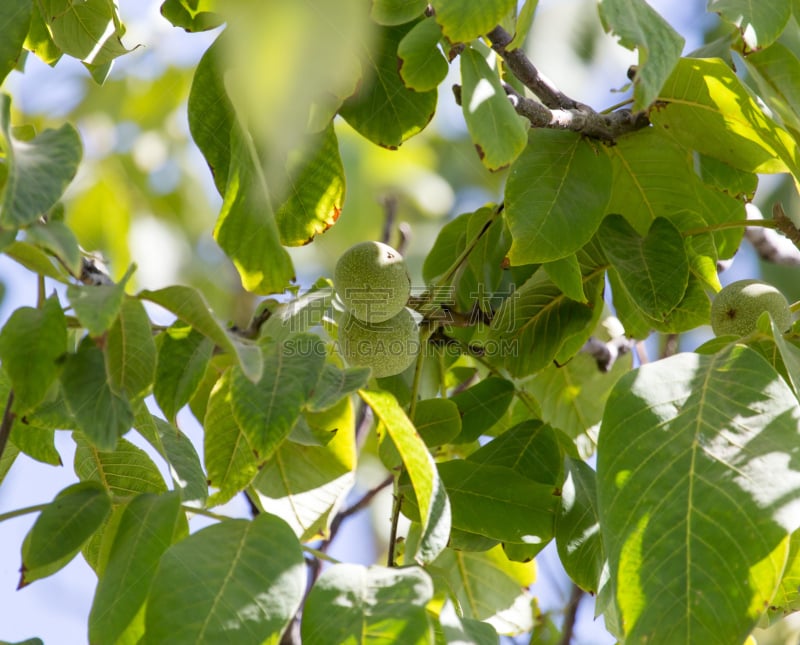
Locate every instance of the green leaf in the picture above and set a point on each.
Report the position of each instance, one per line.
(481, 406)
(39, 170)
(694, 495)
(578, 537)
(183, 356)
(448, 245)
(90, 31)
(706, 108)
(498, 132)
(776, 70)
(531, 449)
(33, 258)
(57, 238)
(148, 526)
(39, 40)
(523, 24)
(191, 15)
(556, 196)
(760, 23)
(438, 421)
(125, 471)
(62, 528)
(314, 190)
(211, 114)
(229, 456)
(246, 229)
(306, 484)
(236, 581)
(350, 603)
(131, 350)
(655, 177)
(489, 587)
(15, 17)
(566, 275)
(654, 269)
(498, 502)
(422, 64)
(7, 460)
(31, 343)
(383, 109)
(188, 305)
(787, 598)
(102, 414)
(533, 323)
(430, 493)
(639, 26)
(334, 384)
(572, 396)
(300, 314)
(267, 410)
(97, 306)
(396, 12)
(463, 20)
(464, 630)
(35, 441)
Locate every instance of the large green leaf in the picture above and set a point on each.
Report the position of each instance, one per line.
(488, 587)
(776, 70)
(498, 132)
(313, 190)
(350, 603)
(188, 305)
(422, 64)
(639, 26)
(438, 421)
(90, 31)
(125, 471)
(334, 384)
(434, 507)
(31, 342)
(759, 22)
(305, 484)
(654, 269)
(396, 12)
(383, 109)
(578, 537)
(130, 350)
(211, 114)
(148, 526)
(38, 170)
(655, 177)
(56, 238)
(556, 196)
(229, 456)
(267, 409)
(532, 324)
(15, 18)
(34, 258)
(183, 356)
(62, 528)
(463, 20)
(236, 581)
(705, 107)
(102, 414)
(246, 229)
(696, 495)
(39, 40)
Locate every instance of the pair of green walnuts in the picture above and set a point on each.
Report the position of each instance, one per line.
(377, 330)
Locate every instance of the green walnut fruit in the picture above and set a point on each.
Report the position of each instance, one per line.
(388, 347)
(736, 307)
(371, 278)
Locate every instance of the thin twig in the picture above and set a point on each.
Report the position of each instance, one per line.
(7, 422)
(570, 615)
(395, 521)
(361, 504)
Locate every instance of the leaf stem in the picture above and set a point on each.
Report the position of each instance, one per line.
(742, 223)
(22, 511)
(320, 555)
(205, 513)
(395, 520)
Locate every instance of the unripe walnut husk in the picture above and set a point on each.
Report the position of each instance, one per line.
(736, 307)
(388, 347)
(371, 279)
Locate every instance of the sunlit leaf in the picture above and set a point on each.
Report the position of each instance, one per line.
(693, 486)
(759, 22)
(422, 64)
(462, 20)
(434, 507)
(396, 12)
(352, 603)
(15, 17)
(192, 15)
